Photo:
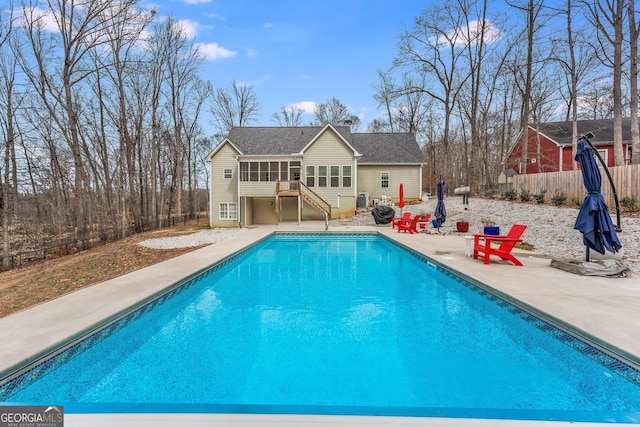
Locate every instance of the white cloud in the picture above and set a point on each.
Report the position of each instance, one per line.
(189, 27)
(197, 1)
(251, 53)
(307, 106)
(268, 25)
(470, 34)
(46, 18)
(213, 52)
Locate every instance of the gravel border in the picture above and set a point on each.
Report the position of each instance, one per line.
(549, 228)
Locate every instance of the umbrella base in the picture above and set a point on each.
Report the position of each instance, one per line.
(603, 268)
(594, 255)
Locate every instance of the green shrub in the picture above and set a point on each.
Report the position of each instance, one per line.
(491, 193)
(510, 194)
(629, 203)
(559, 198)
(525, 195)
(576, 201)
(540, 197)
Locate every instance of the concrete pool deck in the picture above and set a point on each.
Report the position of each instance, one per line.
(606, 310)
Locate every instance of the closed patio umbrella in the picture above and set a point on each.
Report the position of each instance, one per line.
(401, 195)
(440, 213)
(594, 221)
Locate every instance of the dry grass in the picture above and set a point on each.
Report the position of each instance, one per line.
(29, 286)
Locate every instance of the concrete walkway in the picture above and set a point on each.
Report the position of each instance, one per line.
(605, 310)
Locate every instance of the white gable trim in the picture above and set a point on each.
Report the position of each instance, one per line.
(219, 147)
(329, 126)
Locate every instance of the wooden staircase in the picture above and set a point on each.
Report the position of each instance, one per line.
(299, 189)
(315, 201)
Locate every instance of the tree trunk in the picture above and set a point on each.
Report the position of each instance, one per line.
(633, 83)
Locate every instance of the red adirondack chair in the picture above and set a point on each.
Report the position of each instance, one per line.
(424, 221)
(410, 225)
(507, 243)
(405, 217)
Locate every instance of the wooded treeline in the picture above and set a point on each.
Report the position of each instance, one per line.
(102, 103)
(470, 74)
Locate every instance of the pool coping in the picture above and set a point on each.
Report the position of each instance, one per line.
(33, 334)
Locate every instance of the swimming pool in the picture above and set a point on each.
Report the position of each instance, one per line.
(334, 324)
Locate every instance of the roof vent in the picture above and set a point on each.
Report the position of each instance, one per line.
(348, 122)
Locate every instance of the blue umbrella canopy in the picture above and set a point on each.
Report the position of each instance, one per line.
(594, 221)
(441, 213)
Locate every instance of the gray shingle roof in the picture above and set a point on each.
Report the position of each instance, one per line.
(374, 147)
(602, 130)
(387, 148)
(275, 140)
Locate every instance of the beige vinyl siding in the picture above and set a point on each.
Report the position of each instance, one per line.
(369, 180)
(329, 150)
(258, 189)
(223, 190)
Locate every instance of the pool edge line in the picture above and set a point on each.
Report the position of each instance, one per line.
(598, 343)
(32, 361)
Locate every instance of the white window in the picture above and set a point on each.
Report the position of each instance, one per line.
(335, 176)
(311, 176)
(228, 174)
(604, 155)
(384, 180)
(346, 176)
(228, 211)
(322, 176)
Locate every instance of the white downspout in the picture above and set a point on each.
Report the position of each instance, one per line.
(354, 179)
(238, 193)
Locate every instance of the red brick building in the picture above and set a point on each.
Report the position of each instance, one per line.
(549, 148)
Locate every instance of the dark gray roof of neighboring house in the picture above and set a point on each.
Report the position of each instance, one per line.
(602, 130)
(374, 147)
(387, 148)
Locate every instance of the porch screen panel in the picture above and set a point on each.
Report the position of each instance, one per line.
(253, 171)
(244, 171)
(264, 171)
(284, 171)
(274, 171)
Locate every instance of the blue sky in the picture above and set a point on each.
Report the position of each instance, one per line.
(297, 51)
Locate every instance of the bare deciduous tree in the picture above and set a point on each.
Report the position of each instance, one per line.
(237, 105)
(634, 30)
(430, 49)
(8, 178)
(290, 116)
(332, 112)
(608, 19)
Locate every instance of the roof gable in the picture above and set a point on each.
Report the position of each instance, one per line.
(220, 146)
(329, 128)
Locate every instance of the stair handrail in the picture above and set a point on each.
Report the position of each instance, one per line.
(314, 197)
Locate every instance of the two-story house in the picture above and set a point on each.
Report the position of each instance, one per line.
(264, 175)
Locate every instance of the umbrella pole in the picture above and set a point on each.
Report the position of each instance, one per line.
(613, 187)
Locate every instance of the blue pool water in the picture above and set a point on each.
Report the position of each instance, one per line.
(334, 324)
